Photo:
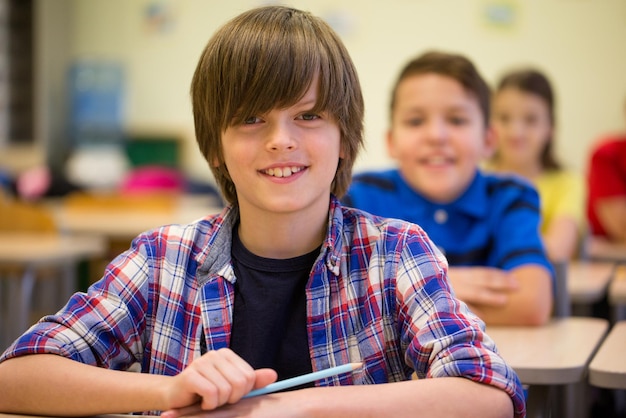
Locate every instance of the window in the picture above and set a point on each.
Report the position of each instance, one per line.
(16, 72)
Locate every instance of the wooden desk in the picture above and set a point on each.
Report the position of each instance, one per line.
(608, 367)
(556, 353)
(587, 281)
(125, 224)
(22, 254)
(597, 248)
(545, 357)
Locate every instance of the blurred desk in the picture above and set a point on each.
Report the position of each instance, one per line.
(554, 354)
(608, 367)
(22, 255)
(125, 223)
(587, 281)
(597, 248)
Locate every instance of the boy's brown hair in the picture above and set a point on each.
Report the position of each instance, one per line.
(455, 66)
(264, 59)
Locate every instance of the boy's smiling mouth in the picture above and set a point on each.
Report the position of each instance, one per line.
(283, 171)
(436, 161)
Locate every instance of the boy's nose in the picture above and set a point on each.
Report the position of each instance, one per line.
(280, 138)
(437, 131)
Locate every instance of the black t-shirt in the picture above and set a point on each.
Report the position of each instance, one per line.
(269, 318)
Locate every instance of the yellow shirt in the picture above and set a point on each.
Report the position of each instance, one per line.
(562, 193)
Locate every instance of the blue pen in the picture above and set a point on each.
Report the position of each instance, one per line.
(305, 378)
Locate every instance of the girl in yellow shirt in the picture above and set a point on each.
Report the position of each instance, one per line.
(523, 122)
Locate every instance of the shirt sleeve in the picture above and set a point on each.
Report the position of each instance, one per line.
(516, 238)
(443, 337)
(607, 175)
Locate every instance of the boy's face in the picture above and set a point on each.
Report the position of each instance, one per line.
(521, 124)
(437, 136)
(283, 161)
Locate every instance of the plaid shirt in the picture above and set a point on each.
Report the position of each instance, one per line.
(377, 294)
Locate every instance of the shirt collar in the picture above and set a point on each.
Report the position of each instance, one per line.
(214, 260)
(333, 244)
(472, 202)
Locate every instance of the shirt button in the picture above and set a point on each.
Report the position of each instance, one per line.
(441, 216)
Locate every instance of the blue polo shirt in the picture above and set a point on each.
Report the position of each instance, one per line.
(494, 223)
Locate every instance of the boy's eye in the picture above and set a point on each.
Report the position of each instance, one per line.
(457, 120)
(251, 120)
(309, 116)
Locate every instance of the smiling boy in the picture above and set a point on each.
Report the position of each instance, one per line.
(487, 226)
(284, 281)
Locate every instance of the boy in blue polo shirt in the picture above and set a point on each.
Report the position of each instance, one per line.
(487, 225)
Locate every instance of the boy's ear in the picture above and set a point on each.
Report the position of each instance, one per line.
(490, 143)
(390, 147)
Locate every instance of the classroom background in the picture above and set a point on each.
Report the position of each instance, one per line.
(156, 44)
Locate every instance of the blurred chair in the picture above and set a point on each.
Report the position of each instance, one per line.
(115, 216)
(562, 307)
(16, 279)
(120, 202)
(20, 216)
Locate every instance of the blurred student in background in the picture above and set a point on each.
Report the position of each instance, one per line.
(523, 122)
(606, 204)
(487, 225)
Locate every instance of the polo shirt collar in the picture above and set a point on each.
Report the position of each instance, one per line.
(473, 202)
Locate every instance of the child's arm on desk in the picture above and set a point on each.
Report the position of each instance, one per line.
(425, 397)
(45, 384)
(52, 385)
(522, 296)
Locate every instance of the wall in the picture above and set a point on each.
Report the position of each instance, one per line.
(579, 43)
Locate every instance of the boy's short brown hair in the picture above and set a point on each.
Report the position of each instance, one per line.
(455, 66)
(264, 59)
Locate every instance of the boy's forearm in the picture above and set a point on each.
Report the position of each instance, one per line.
(69, 388)
(46, 384)
(415, 398)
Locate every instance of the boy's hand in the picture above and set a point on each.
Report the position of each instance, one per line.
(482, 285)
(217, 378)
